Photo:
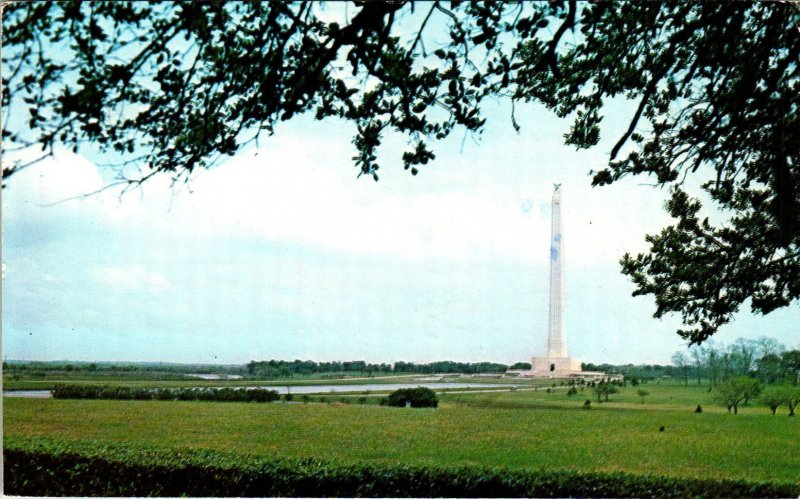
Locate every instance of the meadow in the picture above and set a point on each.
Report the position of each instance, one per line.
(511, 430)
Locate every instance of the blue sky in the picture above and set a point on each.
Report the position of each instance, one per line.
(282, 253)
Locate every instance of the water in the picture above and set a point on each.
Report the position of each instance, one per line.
(308, 389)
(375, 388)
(28, 394)
(215, 376)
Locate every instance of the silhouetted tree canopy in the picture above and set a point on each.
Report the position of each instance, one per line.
(170, 87)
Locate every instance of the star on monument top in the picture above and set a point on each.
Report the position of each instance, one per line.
(557, 186)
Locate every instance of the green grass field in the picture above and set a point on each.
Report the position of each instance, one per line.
(509, 429)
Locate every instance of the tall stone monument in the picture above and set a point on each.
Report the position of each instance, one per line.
(557, 363)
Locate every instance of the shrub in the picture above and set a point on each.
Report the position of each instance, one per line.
(587, 405)
(699, 409)
(416, 397)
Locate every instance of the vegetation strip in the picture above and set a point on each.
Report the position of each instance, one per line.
(124, 393)
(44, 466)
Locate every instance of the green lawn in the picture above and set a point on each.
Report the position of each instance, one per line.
(511, 429)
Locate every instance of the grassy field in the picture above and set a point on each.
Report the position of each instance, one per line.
(509, 429)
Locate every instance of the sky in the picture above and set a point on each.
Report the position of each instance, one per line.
(282, 252)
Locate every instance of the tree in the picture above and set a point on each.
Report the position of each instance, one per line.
(791, 396)
(772, 398)
(715, 86)
(605, 389)
(791, 363)
(698, 357)
(734, 391)
(769, 368)
(742, 356)
(680, 361)
(642, 393)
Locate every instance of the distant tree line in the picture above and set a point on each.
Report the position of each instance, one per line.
(112, 368)
(743, 371)
(287, 369)
(633, 371)
(764, 359)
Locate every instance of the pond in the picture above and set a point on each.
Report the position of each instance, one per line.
(309, 389)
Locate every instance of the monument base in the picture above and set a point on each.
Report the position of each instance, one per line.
(555, 367)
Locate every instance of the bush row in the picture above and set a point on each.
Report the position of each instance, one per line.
(126, 393)
(115, 471)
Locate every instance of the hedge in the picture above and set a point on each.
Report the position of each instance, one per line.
(42, 467)
(415, 397)
(125, 393)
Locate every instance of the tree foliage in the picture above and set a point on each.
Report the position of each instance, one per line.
(772, 398)
(791, 397)
(412, 397)
(734, 391)
(171, 87)
(764, 358)
(604, 390)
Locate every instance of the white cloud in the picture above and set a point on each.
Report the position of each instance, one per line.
(131, 278)
(291, 193)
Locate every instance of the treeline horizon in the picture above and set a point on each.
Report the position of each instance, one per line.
(289, 368)
(764, 358)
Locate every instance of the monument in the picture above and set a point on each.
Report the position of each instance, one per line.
(558, 363)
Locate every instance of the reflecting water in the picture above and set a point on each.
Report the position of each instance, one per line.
(214, 376)
(308, 389)
(375, 387)
(28, 394)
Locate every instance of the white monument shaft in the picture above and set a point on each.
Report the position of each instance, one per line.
(557, 362)
(556, 344)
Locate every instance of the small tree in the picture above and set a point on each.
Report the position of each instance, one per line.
(642, 394)
(734, 391)
(772, 399)
(605, 389)
(791, 397)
